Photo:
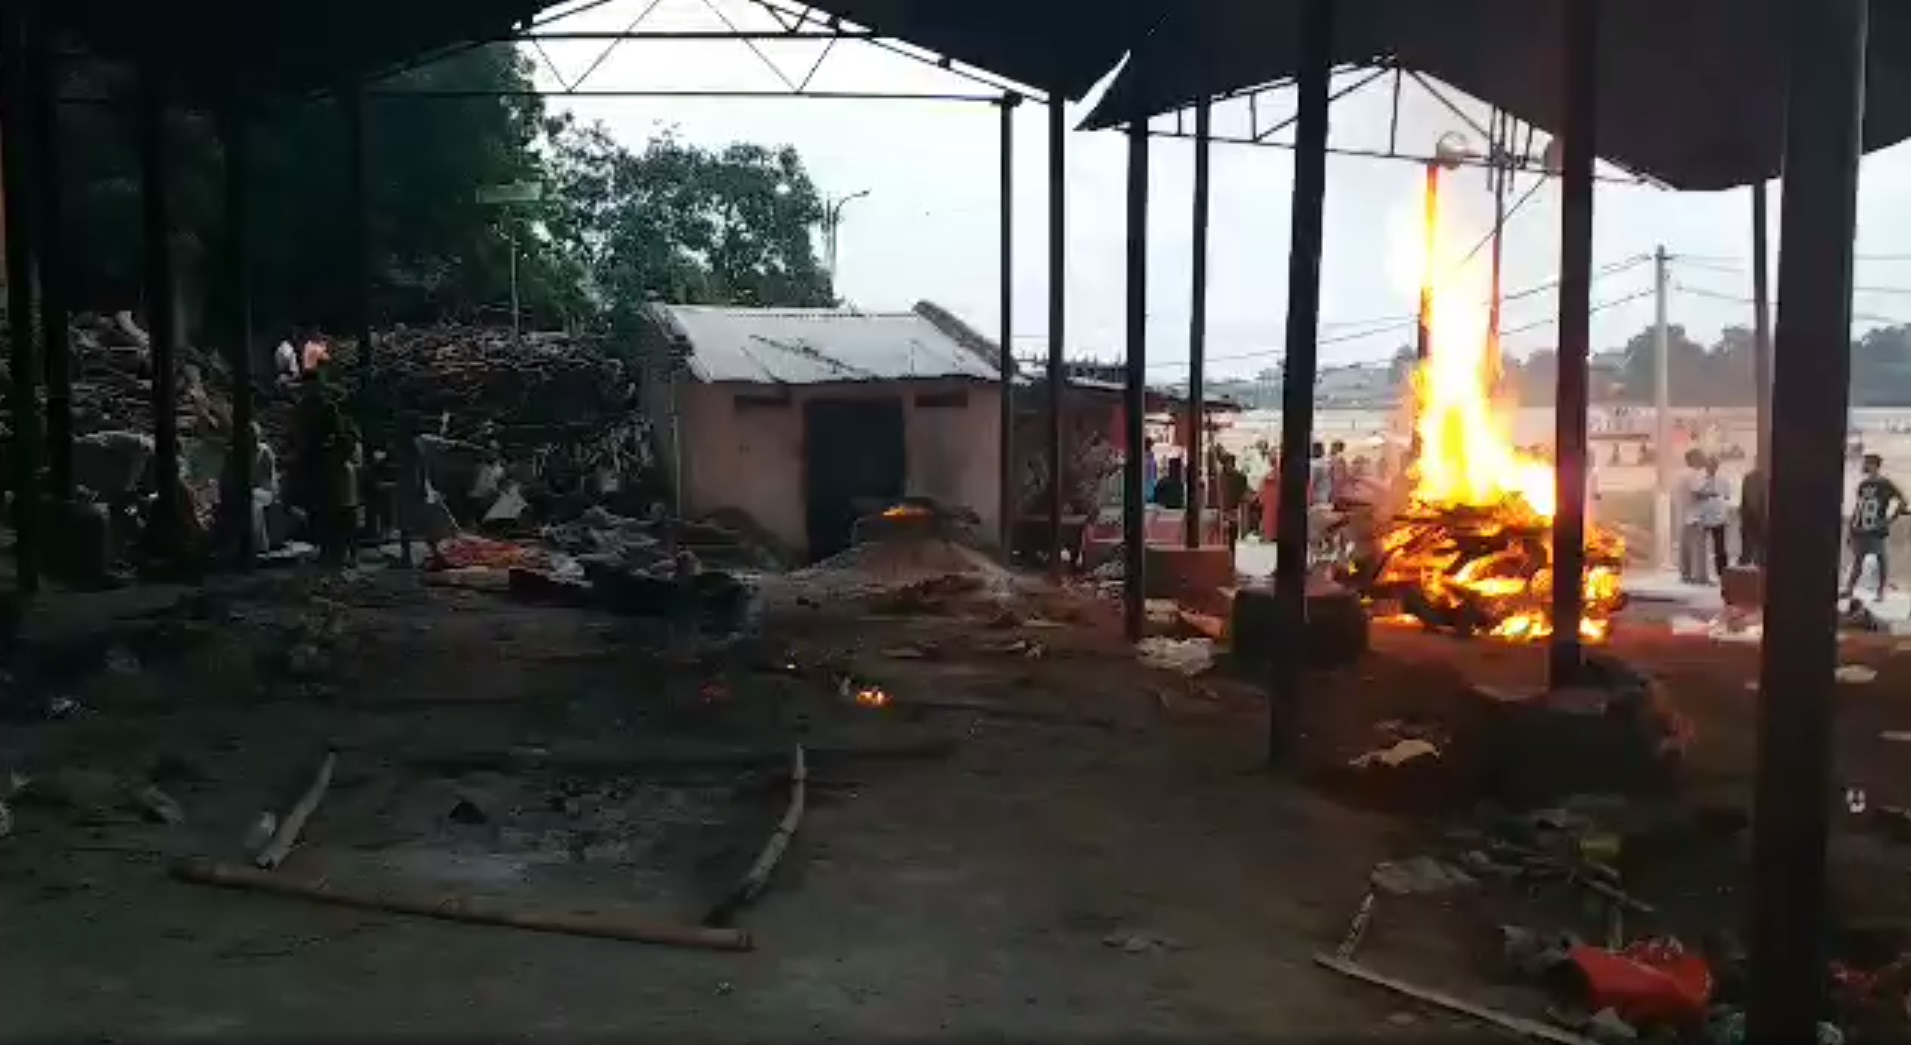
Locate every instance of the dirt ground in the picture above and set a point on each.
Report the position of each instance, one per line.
(1098, 851)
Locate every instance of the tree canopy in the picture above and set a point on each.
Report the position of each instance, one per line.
(614, 226)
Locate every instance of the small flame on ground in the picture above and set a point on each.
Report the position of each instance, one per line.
(905, 511)
(872, 697)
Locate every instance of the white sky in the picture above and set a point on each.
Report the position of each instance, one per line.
(929, 227)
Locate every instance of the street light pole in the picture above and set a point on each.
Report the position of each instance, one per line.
(832, 222)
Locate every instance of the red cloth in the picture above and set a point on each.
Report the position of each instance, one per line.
(1270, 504)
(1651, 983)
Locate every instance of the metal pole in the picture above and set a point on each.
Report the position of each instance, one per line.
(1662, 521)
(352, 99)
(1501, 174)
(162, 321)
(1057, 316)
(23, 398)
(1810, 402)
(1134, 521)
(1302, 362)
(50, 263)
(1430, 231)
(1762, 325)
(1198, 331)
(512, 229)
(238, 328)
(1011, 502)
(1575, 303)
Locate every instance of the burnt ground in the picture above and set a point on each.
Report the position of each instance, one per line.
(1096, 853)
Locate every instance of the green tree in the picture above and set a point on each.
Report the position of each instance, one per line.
(435, 249)
(685, 224)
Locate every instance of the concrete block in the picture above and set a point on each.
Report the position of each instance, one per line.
(1744, 587)
(1336, 632)
(1174, 573)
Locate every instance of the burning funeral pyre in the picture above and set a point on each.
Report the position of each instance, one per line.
(1471, 551)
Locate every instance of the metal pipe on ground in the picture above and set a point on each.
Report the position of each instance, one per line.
(1302, 362)
(1810, 398)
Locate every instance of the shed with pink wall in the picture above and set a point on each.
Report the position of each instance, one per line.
(733, 403)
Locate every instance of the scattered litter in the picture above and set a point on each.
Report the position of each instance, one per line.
(1184, 656)
(1535, 954)
(1140, 942)
(1857, 674)
(1718, 629)
(1398, 754)
(121, 661)
(1418, 875)
(1504, 1020)
(1607, 1026)
(157, 805)
(62, 707)
(261, 831)
(1654, 982)
(1726, 1026)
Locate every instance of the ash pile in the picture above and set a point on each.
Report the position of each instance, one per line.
(910, 555)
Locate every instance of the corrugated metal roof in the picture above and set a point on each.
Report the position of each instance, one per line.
(817, 346)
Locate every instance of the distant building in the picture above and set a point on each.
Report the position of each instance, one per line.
(808, 419)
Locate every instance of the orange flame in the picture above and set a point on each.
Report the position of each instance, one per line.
(872, 697)
(1477, 530)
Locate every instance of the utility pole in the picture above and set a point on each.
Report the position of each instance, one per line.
(1662, 415)
(508, 197)
(1500, 172)
(511, 230)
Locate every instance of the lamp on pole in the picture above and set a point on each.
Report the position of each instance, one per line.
(505, 196)
(832, 222)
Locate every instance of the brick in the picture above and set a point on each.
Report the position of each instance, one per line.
(1192, 573)
(1336, 631)
(1744, 587)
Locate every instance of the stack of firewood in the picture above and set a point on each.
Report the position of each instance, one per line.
(486, 384)
(112, 380)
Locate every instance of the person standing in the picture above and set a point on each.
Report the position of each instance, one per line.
(1171, 491)
(1234, 490)
(1752, 518)
(1271, 497)
(1338, 473)
(1320, 477)
(1712, 511)
(1150, 474)
(1879, 503)
(1692, 568)
(344, 461)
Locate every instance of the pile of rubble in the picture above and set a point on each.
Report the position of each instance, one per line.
(112, 372)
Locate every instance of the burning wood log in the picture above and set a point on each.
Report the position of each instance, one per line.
(1486, 569)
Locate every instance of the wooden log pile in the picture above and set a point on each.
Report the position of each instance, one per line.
(111, 364)
(485, 384)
